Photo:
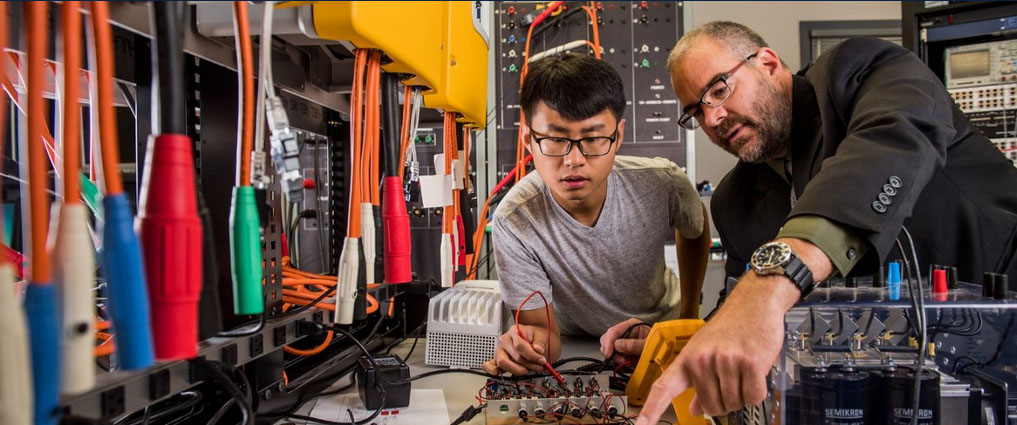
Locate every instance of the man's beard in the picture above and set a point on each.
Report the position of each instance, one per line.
(773, 132)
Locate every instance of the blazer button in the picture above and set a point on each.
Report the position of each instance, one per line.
(889, 190)
(879, 207)
(896, 182)
(851, 253)
(884, 198)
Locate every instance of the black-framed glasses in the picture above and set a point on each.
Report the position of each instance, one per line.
(561, 146)
(716, 93)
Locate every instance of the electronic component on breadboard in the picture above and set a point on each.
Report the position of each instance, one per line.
(585, 399)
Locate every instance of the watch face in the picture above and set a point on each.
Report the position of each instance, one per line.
(771, 257)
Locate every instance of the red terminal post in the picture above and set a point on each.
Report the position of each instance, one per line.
(939, 281)
(511, 10)
(644, 5)
(939, 286)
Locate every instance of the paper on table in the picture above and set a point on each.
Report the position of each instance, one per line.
(426, 407)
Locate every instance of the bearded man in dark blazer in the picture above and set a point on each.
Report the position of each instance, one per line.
(835, 164)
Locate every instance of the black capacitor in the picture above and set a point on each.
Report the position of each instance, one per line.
(879, 279)
(809, 394)
(899, 385)
(951, 278)
(988, 284)
(838, 397)
(1001, 287)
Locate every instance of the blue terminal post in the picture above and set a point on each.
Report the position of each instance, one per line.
(893, 281)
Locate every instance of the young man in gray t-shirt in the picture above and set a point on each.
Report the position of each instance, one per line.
(588, 229)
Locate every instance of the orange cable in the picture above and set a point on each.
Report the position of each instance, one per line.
(245, 62)
(592, 11)
(104, 349)
(71, 18)
(37, 180)
(353, 226)
(107, 114)
(312, 351)
(404, 131)
(374, 125)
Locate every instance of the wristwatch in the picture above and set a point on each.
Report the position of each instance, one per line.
(777, 258)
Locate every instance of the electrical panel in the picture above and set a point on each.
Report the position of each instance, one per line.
(972, 48)
(312, 227)
(982, 79)
(635, 38)
(585, 399)
(850, 357)
(981, 64)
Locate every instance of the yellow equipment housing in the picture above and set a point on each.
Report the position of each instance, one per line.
(434, 41)
(665, 341)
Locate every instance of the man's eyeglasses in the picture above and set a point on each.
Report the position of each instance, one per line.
(561, 146)
(718, 92)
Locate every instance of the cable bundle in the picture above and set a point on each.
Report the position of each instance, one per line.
(245, 226)
(15, 369)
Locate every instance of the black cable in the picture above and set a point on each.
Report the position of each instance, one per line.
(469, 413)
(247, 413)
(192, 399)
(995, 355)
(320, 212)
(415, 339)
(388, 348)
(552, 20)
(923, 345)
(242, 332)
(294, 225)
(310, 305)
(390, 115)
(168, 19)
(222, 411)
(381, 406)
(304, 398)
(563, 361)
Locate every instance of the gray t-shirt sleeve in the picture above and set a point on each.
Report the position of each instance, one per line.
(686, 209)
(519, 270)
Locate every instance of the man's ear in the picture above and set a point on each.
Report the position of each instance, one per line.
(526, 136)
(769, 59)
(621, 134)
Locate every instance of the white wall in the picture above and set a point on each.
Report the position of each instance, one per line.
(777, 22)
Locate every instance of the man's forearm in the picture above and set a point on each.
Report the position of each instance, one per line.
(693, 255)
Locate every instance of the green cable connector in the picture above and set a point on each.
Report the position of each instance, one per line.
(245, 253)
(92, 197)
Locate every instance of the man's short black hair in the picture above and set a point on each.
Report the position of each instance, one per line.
(576, 86)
